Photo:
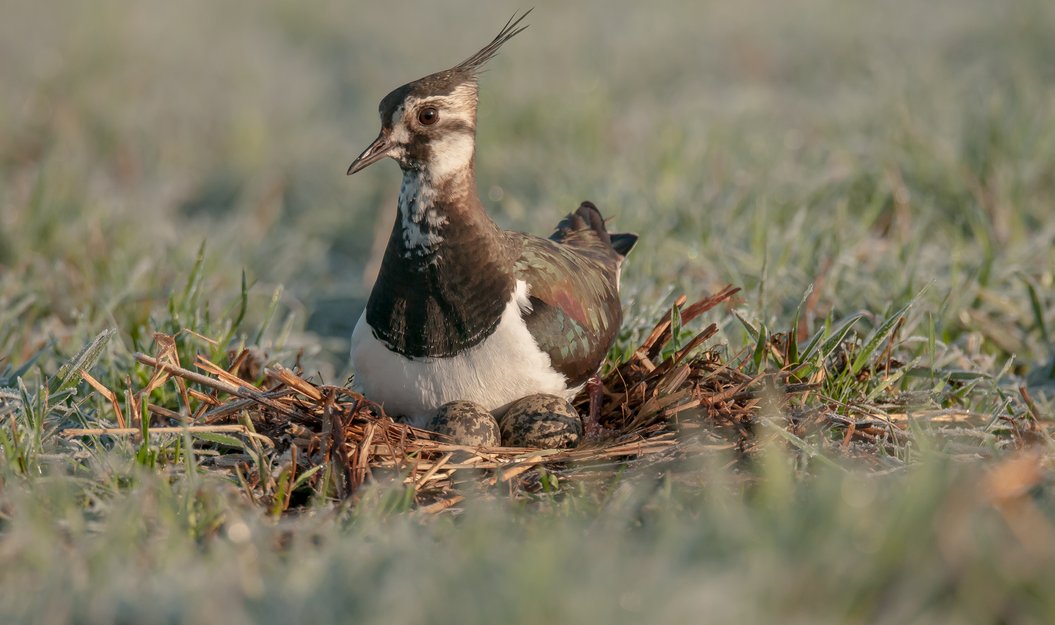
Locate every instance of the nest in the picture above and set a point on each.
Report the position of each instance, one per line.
(298, 436)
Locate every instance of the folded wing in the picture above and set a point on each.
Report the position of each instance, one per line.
(573, 279)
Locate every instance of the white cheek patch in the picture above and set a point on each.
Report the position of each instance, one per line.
(452, 150)
(399, 136)
(450, 155)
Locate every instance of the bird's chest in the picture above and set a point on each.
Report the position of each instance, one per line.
(445, 278)
(503, 367)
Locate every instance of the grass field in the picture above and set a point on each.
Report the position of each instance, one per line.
(890, 162)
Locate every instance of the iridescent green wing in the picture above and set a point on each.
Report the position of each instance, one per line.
(575, 312)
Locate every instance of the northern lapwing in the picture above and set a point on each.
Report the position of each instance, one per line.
(463, 310)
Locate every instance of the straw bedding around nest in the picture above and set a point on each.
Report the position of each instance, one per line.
(316, 432)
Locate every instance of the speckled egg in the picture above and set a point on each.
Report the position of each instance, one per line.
(466, 423)
(545, 421)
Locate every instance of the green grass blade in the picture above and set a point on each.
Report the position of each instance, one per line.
(761, 348)
(69, 374)
(877, 338)
(750, 327)
(1037, 307)
(303, 478)
(793, 332)
(835, 338)
(225, 440)
(269, 316)
(192, 290)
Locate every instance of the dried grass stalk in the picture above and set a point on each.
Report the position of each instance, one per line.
(645, 399)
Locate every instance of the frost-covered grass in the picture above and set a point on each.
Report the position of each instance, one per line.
(888, 154)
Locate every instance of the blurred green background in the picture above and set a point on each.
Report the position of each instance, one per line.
(872, 149)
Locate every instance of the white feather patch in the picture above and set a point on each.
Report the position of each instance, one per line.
(459, 104)
(400, 134)
(503, 368)
(417, 208)
(452, 153)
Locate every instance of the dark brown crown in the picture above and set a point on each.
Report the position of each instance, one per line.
(444, 82)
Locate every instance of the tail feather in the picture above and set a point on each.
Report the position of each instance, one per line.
(623, 242)
(588, 218)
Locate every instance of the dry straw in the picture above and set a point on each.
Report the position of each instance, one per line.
(312, 432)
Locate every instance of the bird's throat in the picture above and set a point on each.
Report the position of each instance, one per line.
(446, 275)
(420, 218)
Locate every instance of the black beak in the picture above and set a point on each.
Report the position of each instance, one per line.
(377, 151)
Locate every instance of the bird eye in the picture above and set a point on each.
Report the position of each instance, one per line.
(428, 116)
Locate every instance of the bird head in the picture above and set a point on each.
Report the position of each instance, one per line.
(430, 124)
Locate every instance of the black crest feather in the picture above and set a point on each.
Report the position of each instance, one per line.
(511, 29)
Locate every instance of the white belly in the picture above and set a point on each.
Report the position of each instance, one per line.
(504, 367)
